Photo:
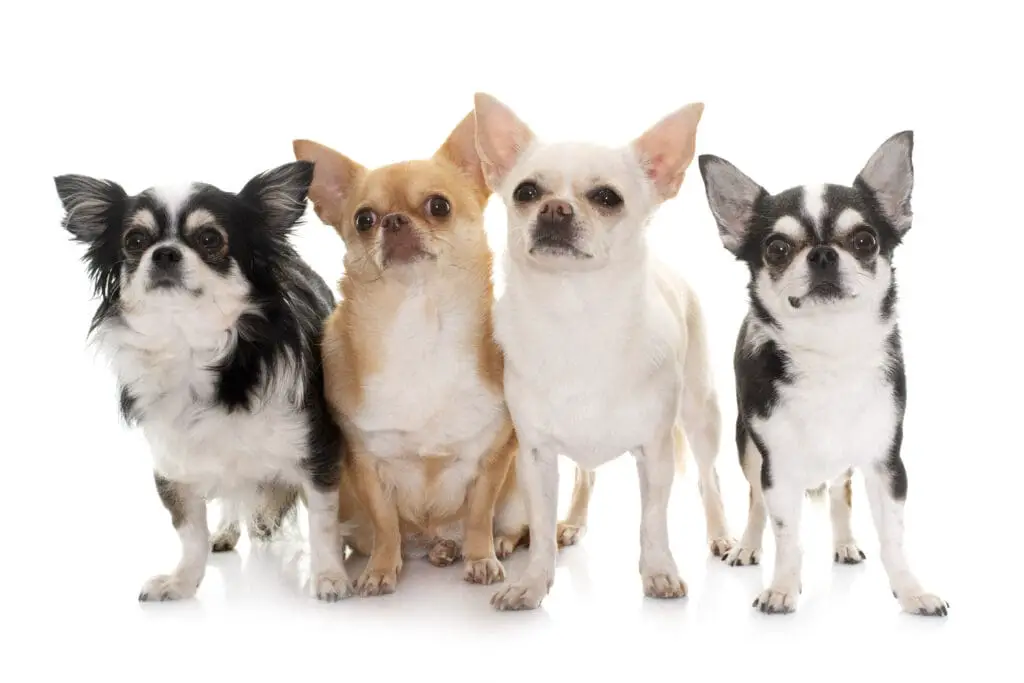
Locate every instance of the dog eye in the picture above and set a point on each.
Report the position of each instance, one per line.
(438, 206)
(136, 241)
(864, 241)
(777, 251)
(365, 219)
(526, 192)
(210, 239)
(605, 196)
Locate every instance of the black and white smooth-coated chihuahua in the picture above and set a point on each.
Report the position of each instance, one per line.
(212, 323)
(820, 384)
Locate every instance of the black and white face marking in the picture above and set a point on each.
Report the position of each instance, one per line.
(817, 247)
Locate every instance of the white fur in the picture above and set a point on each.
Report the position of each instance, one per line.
(814, 204)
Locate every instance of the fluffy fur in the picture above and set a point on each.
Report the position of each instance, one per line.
(605, 348)
(412, 369)
(212, 324)
(820, 383)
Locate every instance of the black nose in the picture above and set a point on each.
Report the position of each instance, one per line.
(166, 257)
(823, 258)
(395, 221)
(556, 211)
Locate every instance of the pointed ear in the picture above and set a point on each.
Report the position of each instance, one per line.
(667, 148)
(280, 194)
(889, 175)
(90, 205)
(500, 137)
(460, 149)
(334, 174)
(732, 197)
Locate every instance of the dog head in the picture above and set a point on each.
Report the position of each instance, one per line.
(574, 206)
(817, 248)
(402, 218)
(191, 248)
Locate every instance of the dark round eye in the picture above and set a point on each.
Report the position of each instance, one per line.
(864, 241)
(210, 239)
(777, 251)
(526, 192)
(438, 206)
(605, 196)
(365, 219)
(136, 241)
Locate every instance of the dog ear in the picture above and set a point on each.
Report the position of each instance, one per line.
(460, 149)
(889, 176)
(667, 148)
(90, 205)
(280, 193)
(732, 197)
(500, 137)
(334, 174)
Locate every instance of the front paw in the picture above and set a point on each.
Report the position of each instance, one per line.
(848, 553)
(167, 587)
(569, 534)
(776, 601)
(443, 553)
(720, 547)
(664, 585)
(485, 571)
(925, 605)
(225, 539)
(505, 546)
(377, 581)
(526, 593)
(331, 586)
(742, 556)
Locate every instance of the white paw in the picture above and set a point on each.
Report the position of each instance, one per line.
(721, 546)
(526, 593)
(225, 539)
(775, 601)
(925, 605)
(848, 553)
(331, 586)
(167, 587)
(742, 556)
(664, 585)
(485, 571)
(569, 534)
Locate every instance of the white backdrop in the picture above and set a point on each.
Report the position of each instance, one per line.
(149, 92)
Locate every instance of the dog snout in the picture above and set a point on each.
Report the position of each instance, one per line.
(823, 260)
(166, 257)
(395, 222)
(556, 211)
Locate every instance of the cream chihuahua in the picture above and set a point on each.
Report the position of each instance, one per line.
(605, 350)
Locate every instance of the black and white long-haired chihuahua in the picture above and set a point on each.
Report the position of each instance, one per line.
(212, 323)
(820, 382)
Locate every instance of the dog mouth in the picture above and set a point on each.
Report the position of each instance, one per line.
(557, 246)
(823, 291)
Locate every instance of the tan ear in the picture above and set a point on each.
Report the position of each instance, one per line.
(460, 149)
(500, 137)
(334, 174)
(667, 148)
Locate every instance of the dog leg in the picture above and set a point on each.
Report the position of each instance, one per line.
(537, 480)
(188, 515)
(702, 424)
(571, 530)
(276, 501)
(886, 484)
(330, 581)
(380, 576)
(655, 464)
(845, 548)
(482, 565)
(229, 529)
(748, 551)
(785, 506)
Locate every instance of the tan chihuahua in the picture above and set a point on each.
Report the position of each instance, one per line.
(412, 370)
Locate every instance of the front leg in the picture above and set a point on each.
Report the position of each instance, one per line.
(537, 479)
(188, 515)
(784, 503)
(656, 468)
(380, 576)
(482, 565)
(886, 484)
(328, 579)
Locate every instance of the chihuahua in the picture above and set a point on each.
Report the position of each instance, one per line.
(820, 383)
(605, 350)
(213, 325)
(413, 372)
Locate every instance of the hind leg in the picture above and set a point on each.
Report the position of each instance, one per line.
(572, 528)
(845, 549)
(702, 422)
(748, 551)
(276, 502)
(229, 530)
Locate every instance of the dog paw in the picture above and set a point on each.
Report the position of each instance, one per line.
(721, 546)
(848, 553)
(374, 581)
(225, 539)
(485, 571)
(740, 556)
(664, 585)
(925, 605)
(775, 601)
(443, 553)
(524, 594)
(167, 587)
(569, 534)
(332, 586)
(504, 546)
